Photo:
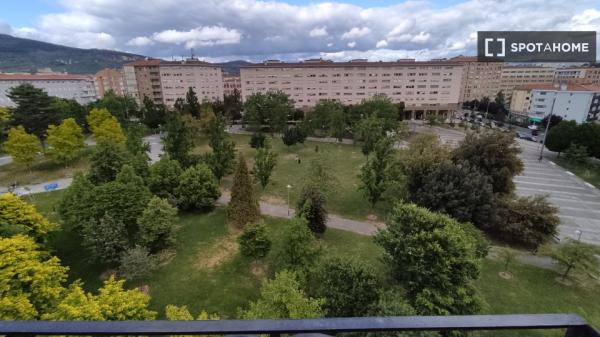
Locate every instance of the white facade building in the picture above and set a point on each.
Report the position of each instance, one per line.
(77, 87)
(573, 102)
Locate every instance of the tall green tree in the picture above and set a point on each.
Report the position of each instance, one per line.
(22, 147)
(65, 141)
(348, 288)
(283, 297)
(271, 108)
(382, 107)
(33, 109)
(157, 225)
(154, 115)
(121, 107)
(76, 202)
(311, 207)
(178, 140)
(70, 108)
(265, 161)
(373, 173)
(433, 258)
(106, 162)
(222, 157)
(198, 189)
(192, 104)
(297, 248)
(561, 136)
(495, 154)
(243, 207)
(424, 154)
(164, 177)
(105, 239)
(369, 130)
(232, 105)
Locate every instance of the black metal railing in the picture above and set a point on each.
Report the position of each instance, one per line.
(573, 325)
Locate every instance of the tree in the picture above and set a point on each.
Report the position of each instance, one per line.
(575, 255)
(283, 297)
(198, 189)
(178, 140)
(424, 154)
(369, 130)
(97, 116)
(154, 115)
(232, 105)
(561, 136)
(33, 109)
(243, 207)
(433, 258)
(588, 135)
(164, 177)
(577, 154)
(271, 108)
(136, 263)
(22, 147)
(526, 221)
(290, 136)
(109, 131)
(70, 108)
(297, 247)
(254, 241)
(382, 107)
(495, 154)
(118, 304)
(157, 225)
(65, 141)
(554, 121)
(30, 280)
(507, 256)
(175, 313)
(329, 115)
(348, 288)
(222, 158)
(373, 173)
(459, 191)
(320, 175)
(105, 239)
(75, 305)
(311, 207)
(265, 161)
(192, 104)
(124, 199)
(122, 107)
(77, 200)
(106, 162)
(19, 217)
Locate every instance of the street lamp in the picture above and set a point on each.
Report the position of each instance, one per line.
(289, 187)
(578, 232)
(548, 121)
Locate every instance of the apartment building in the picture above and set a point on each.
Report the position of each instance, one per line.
(582, 75)
(109, 79)
(142, 79)
(177, 77)
(480, 79)
(78, 87)
(578, 102)
(231, 83)
(519, 75)
(424, 87)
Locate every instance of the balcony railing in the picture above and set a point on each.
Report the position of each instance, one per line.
(573, 325)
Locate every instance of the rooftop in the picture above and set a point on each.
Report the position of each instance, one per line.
(569, 87)
(42, 77)
(353, 63)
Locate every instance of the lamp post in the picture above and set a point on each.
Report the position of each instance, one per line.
(289, 187)
(561, 87)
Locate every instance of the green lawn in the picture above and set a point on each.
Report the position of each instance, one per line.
(42, 171)
(589, 172)
(345, 161)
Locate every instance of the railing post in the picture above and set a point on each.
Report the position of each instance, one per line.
(581, 331)
(274, 335)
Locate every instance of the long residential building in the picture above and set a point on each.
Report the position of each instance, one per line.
(580, 75)
(514, 76)
(176, 77)
(480, 79)
(77, 87)
(423, 87)
(109, 80)
(231, 83)
(571, 101)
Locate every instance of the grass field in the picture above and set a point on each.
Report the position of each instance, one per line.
(206, 271)
(42, 171)
(589, 172)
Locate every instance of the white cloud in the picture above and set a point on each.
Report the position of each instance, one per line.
(318, 32)
(330, 44)
(201, 36)
(356, 32)
(381, 44)
(351, 44)
(140, 41)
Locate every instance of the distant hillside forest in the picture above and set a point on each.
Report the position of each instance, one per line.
(24, 55)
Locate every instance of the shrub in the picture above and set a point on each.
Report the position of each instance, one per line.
(311, 206)
(198, 189)
(257, 140)
(576, 154)
(137, 263)
(297, 248)
(254, 242)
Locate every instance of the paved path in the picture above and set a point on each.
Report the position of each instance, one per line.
(578, 202)
(333, 221)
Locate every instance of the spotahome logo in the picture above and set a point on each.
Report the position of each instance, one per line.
(527, 46)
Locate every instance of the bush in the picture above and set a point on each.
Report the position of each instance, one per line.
(297, 248)
(137, 263)
(311, 206)
(526, 221)
(290, 136)
(254, 242)
(198, 189)
(576, 154)
(257, 140)
(157, 224)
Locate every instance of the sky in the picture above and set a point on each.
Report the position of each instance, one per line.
(290, 30)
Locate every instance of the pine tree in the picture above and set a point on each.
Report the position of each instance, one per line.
(311, 206)
(22, 146)
(243, 207)
(65, 141)
(33, 109)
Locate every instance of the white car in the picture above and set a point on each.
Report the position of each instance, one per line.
(532, 127)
